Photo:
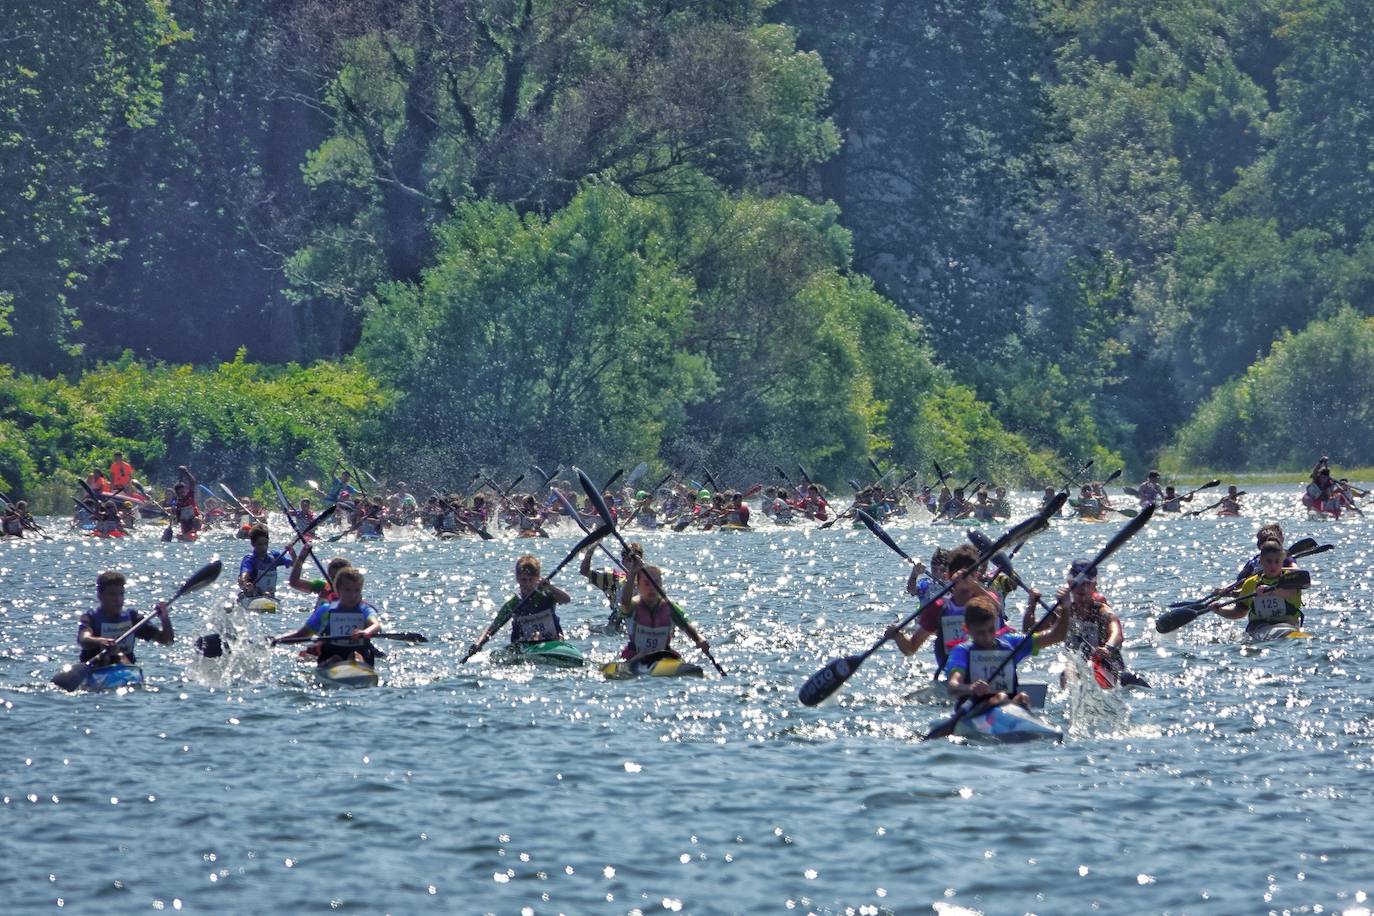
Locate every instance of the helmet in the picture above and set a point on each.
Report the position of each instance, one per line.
(704, 494)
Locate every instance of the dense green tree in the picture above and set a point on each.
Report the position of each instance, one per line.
(78, 80)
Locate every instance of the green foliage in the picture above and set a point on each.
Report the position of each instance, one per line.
(224, 423)
(1314, 389)
(77, 76)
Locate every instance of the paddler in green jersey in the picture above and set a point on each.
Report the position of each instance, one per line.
(322, 589)
(532, 620)
(1265, 604)
(612, 583)
(654, 619)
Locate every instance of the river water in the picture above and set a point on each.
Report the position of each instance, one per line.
(1241, 783)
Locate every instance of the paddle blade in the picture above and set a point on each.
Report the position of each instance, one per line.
(595, 496)
(1129, 513)
(616, 476)
(1178, 617)
(999, 559)
(199, 579)
(1112, 476)
(874, 465)
(829, 679)
(1127, 532)
(211, 645)
(883, 536)
(72, 677)
(782, 474)
(1302, 545)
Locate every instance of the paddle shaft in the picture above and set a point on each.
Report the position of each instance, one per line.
(290, 520)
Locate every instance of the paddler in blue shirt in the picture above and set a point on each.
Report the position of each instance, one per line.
(346, 624)
(258, 570)
(972, 669)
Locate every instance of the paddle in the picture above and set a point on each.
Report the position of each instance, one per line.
(830, 678)
(409, 637)
(72, 677)
(1173, 619)
(616, 476)
(1303, 547)
(577, 517)
(1003, 563)
(1215, 504)
(783, 475)
(26, 521)
(1128, 531)
(580, 546)
(238, 505)
(301, 535)
(601, 509)
(1206, 486)
(805, 476)
(855, 504)
(291, 520)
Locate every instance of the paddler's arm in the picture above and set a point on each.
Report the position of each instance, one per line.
(297, 581)
(1056, 633)
(163, 634)
(1240, 610)
(907, 644)
(586, 568)
(502, 617)
(1116, 636)
(88, 640)
(374, 626)
(680, 620)
(553, 591)
(917, 571)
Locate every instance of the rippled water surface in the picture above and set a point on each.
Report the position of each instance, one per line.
(1241, 783)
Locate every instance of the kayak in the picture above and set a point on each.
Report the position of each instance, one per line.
(1273, 632)
(113, 677)
(729, 527)
(657, 664)
(346, 674)
(1008, 724)
(556, 652)
(259, 605)
(377, 536)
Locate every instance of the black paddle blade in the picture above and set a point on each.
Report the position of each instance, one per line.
(984, 545)
(199, 579)
(610, 481)
(829, 679)
(1178, 617)
(782, 474)
(1127, 532)
(582, 545)
(211, 645)
(595, 496)
(1113, 475)
(72, 677)
(883, 536)
(874, 465)
(1301, 545)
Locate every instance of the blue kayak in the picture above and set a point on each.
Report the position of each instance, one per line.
(112, 677)
(1007, 723)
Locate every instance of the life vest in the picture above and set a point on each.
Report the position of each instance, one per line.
(1270, 608)
(1089, 631)
(336, 623)
(653, 629)
(370, 527)
(264, 572)
(14, 525)
(982, 663)
(536, 620)
(121, 473)
(102, 626)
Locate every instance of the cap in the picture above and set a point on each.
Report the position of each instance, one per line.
(1078, 567)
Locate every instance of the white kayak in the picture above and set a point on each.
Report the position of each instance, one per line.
(350, 673)
(259, 605)
(1008, 724)
(1274, 631)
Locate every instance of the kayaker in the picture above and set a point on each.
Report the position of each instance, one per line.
(1230, 503)
(1047, 498)
(97, 482)
(945, 618)
(16, 519)
(738, 513)
(183, 503)
(971, 666)
(1095, 631)
(1270, 532)
(346, 624)
(531, 610)
(1320, 495)
(1266, 604)
(258, 570)
(814, 505)
(1001, 506)
(922, 583)
(109, 619)
(322, 589)
(1172, 501)
(611, 582)
(653, 617)
(340, 488)
(1088, 505)
(1149, 491)
(121, 472)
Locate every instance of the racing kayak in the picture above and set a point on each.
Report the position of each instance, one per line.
(556, 652)
(656, 664)
(1007, 724)
(113, 677)
(259, 605)
(1273, 632)
(346, 673)
(730, 527)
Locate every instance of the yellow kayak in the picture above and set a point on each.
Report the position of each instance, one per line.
(656, 664)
